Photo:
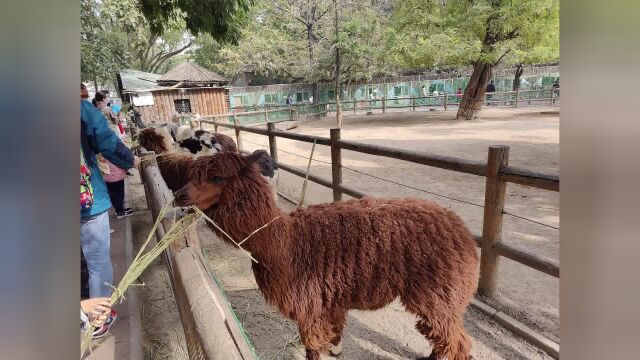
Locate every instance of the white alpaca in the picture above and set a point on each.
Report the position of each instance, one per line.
(184, 132)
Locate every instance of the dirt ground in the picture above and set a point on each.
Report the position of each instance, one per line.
(389, 333)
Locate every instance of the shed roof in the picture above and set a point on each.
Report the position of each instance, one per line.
(135, 80)
(191, 73)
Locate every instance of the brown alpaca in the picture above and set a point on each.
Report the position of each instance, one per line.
(316, 263)
(174, 166)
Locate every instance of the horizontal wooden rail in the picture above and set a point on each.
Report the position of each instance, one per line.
(283, 134)
(529, 259)
(525, 257)
(443, 162)
(547, 181)
(321, 180)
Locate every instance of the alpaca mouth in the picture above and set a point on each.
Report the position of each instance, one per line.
(182, 199)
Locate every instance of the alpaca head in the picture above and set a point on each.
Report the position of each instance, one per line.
(223, 177)
(193, 145)
(207, 140)
(151, 140)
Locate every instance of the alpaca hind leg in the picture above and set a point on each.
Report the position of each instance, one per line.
(315, 335)
(448, 338)
(337, 322)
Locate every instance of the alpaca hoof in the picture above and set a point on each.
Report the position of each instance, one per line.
(432, 356)
(336, 350)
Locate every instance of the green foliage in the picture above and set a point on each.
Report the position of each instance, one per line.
(222, 19)
(461, 32)
(102, 52)
(295, 40)
(148, 51)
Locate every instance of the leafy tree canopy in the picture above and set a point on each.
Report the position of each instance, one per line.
(222, 19)
(462, 32)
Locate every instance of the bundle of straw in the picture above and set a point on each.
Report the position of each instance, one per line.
(142, 261)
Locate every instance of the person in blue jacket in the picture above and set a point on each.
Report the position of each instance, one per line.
(97, 138)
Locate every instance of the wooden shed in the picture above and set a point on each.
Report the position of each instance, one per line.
(187, 88)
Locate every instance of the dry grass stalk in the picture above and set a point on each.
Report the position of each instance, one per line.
(143, 260)
(306, 178)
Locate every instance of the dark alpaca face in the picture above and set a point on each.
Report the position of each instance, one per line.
(209, 176)
(191, 144)
(204, 195)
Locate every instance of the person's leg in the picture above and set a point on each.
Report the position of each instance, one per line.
(95, 241)
(116, 195)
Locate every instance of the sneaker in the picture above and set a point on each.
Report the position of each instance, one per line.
(112, 318)
(125, 212)
(100, 332)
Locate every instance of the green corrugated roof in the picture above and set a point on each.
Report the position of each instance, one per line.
(134, 80)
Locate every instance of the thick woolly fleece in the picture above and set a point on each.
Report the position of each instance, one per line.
(316, 263)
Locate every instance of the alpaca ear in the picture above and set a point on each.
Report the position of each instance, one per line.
(264, 160)
(254, 157)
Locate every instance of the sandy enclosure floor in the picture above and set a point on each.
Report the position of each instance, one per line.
(525, 294)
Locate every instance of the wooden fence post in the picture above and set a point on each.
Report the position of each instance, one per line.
(354, 106)
(492, 222)
(384, 105)
(273, 147)
(446, 98)
(215, 127)
(266, 115)
(238, 136)
(413, 104)
(551, 98)
(336, 164)
(517, 96)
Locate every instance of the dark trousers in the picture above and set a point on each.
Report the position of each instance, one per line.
(116, 194)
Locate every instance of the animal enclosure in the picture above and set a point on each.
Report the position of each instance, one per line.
(491, 230)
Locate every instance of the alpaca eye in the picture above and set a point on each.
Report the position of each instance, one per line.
(217, 179)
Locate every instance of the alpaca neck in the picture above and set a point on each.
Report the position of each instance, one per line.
(248, 207)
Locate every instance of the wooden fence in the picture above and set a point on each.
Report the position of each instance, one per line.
(210, 327)
(496, 171)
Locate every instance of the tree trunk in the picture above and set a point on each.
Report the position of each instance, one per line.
(310, 41)
(95, 84)
(338, 105)
(516, 79)
(315, 93)
(475, 91)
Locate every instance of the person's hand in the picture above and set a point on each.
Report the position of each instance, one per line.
(136, 161)
(97, 309)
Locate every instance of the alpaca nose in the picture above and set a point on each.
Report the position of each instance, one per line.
(181, 197)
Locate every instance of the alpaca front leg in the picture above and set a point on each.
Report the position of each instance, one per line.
(312, 354)
(433, 356)
(336, 346)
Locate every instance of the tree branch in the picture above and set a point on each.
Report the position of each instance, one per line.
(500, 58)
(321, 15)
(166, 56)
